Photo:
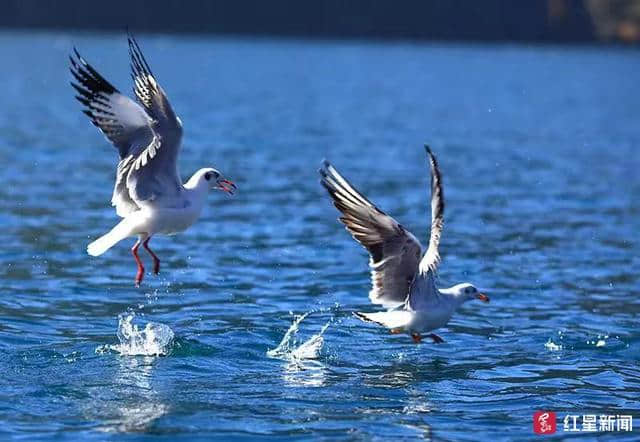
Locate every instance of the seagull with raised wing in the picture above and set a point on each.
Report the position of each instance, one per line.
(148, 194)
(402, 277)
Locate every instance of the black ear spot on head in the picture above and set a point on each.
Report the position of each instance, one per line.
(207, 176)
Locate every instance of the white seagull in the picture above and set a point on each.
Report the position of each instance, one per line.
(148, 193)
(402, 281)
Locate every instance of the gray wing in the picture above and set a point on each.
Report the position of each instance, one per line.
(423, 287)
(431, 258)
(153, 173)
(148, 149)
(394, 251)
(149, 92)
(123, 122)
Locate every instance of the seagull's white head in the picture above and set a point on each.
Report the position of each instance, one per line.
(467, 292)
(209, 178)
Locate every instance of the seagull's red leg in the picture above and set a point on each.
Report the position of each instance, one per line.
(156, 260)
(436, 339)
(416, 337)
(396, 331)
(140, 274)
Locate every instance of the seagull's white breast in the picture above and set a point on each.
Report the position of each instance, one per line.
(427, 320)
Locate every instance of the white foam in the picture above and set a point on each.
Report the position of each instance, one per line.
(310, 349)
(154, 339)
(288, 348)
(601, 341)
(302, 365)
(550, 345)
(284, 348)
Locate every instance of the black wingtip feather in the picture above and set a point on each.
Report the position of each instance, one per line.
(435, 169)
(90, 79)
(364, 318)
(324, 173)
(92, 92)
(361, 316)
(325, 185)
(138, 56)
(82, 100)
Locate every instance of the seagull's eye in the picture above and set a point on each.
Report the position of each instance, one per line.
(207, 176)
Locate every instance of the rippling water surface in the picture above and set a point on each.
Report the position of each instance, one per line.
(539, 152)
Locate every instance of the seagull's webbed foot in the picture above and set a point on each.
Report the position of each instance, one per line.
(140, 273)
(416, 337)
(395, 331)
(436, 339)
(156, 260)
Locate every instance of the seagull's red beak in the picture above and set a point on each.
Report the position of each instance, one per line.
(226, 186)
(482, 297)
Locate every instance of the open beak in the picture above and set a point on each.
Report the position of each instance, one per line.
(226, 186)
(482, 297)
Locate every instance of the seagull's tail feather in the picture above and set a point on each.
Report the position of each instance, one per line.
(105, 242)
(391, 319)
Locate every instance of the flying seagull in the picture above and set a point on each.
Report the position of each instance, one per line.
(402, 277)
(148, 193)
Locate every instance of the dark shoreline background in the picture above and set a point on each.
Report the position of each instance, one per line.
(553, 21)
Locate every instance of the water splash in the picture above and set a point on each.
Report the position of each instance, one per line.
(552, 346)
(302, 367)
(555, 344)
(578, 342)
(154, 340)
(288, 348)
(601, 341)
(310, 349)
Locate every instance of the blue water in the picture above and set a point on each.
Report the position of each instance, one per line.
(539, 150)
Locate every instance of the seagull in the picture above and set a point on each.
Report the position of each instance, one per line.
(148, 195)
(402, 281)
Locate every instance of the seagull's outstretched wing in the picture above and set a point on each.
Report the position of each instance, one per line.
(153, 173)
(392, 319)
(149, 92)
(432, 256)
(395, 252)
(148, 142)
(423, 287)
(121, 120)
